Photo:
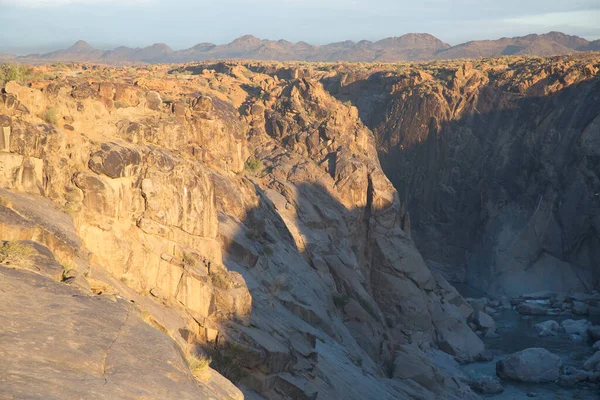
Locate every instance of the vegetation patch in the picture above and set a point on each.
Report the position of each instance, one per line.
(256, 228)
(228, 360)
(254, 166)
(198, 365)
(13, 72)
(122, 104)
(50, 116)
(190, 259)
(221, 280)
(15, 250)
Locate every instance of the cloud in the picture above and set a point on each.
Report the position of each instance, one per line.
(61, 3)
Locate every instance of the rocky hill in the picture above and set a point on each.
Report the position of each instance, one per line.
(408, 47)
(235, 219)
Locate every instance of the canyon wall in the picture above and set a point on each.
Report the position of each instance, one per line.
(496, 163)
(246, 215)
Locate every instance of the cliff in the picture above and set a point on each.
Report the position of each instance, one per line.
(243, 213)
(497, 163)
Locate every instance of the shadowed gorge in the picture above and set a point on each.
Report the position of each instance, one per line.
(498, 170)
(294, 230)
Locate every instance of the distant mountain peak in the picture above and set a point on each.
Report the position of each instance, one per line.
(81, 45)
(246, 39)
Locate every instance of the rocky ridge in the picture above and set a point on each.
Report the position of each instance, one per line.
(408, 47)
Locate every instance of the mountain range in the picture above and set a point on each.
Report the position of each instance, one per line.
(408, 47)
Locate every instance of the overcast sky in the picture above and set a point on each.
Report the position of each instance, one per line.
(40, 25)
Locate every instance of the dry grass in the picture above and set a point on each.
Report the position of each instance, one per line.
(198, 365)
(15, 251)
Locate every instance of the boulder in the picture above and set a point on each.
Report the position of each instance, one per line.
(594, 332)
(597, 345)
(592, 362)
(580, 308)
(486, 385)
(547, 328)
(532, 309)
(572, 327)
(531, 365)
(153, 100)
(485, 322)
(203, 104)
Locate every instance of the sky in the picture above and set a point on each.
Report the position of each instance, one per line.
(28, 26)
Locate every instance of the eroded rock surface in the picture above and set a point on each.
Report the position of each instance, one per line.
(244, 210)
(499, 172)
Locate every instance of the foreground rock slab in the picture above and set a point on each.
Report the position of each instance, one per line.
(530, 365)
(58, 343)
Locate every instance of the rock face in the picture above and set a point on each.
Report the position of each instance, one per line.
(508, 194)
(530, 365)
(97, 343)
(256, 226)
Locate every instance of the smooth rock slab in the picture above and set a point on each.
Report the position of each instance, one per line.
(58, 343)
(530, 365)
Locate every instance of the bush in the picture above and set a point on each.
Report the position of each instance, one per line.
(50, 116)
(190, 259)
(221, 280)
(256, 227)
(254, 165)
(198, 365)
(228, 360)
(12, 72)
(122, 104)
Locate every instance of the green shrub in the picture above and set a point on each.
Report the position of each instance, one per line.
(254, 165)
(198, 365)
(190, 259)
(50, 116)
(221, 280)
(12, 72)
(15, 251)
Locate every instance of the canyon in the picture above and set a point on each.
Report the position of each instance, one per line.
(250, 229)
